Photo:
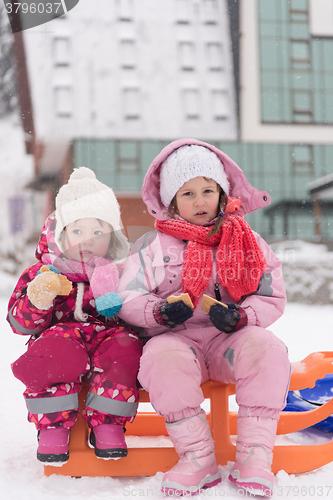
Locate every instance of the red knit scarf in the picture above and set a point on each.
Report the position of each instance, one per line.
(240, 261)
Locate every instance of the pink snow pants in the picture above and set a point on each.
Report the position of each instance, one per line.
(66, 354)
(173, 366)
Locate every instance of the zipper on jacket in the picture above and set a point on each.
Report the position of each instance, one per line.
(217, 292)
(216, 284)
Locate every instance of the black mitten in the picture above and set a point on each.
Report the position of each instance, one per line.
(173, 314)
(227, 319)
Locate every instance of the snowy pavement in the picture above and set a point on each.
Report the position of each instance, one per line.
(303, 328)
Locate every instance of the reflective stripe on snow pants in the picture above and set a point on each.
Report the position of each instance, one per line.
(53, 404)
(111, 406)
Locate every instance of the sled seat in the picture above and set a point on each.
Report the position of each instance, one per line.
(146, 461)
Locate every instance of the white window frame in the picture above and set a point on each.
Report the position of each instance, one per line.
(220, 100)
(183, 11)
(187, 55)
(132, 107)
(127, 52)
(210, 11)
(191, 98)
(61, 51)
(215, 56)
(125, 10)
(63, 101)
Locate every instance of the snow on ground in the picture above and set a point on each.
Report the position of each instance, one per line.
(303, 328)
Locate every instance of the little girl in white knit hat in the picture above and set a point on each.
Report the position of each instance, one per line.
(67, 303)
(203, 288)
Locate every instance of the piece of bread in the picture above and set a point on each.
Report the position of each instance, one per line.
(207, 303)
(184, 297)
(66, 285)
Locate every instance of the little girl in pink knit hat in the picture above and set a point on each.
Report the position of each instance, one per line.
(203, 247)
(67, 303)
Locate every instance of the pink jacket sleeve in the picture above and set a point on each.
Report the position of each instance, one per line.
(137, 285)
(267, 304)
(23, 316)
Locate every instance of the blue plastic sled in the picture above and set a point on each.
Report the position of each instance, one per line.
(309, 399)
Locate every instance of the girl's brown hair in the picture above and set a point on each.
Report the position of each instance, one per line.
(219, 220)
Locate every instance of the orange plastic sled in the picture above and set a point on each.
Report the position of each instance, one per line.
(147, 461)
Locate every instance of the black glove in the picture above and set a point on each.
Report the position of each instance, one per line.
(173, 314)
(227, 319)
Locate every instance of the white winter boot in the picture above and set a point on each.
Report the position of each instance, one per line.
(197, 466)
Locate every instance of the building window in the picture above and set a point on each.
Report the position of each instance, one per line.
(298, 11)
(125, 10)
(127, 156)
(131, 103)
(61, 51)
(300, 54)
(321, 18)
(302, 108)
(183, 11)
(302, 160)
(127, 52)
(220, 104)
(63, 99)
(187, 56)
(214, 56)
(192, 104)
(210, 10)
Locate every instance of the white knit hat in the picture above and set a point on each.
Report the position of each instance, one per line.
(188, 162)
(85, 196)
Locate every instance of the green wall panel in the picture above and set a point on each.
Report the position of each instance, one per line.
(271, 167)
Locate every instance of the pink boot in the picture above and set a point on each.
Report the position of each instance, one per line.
(255, 442)
(197, 466)
(108, 441)
(53, 445)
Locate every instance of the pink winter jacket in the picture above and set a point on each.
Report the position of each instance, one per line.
(153, 270)
(26, 319)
